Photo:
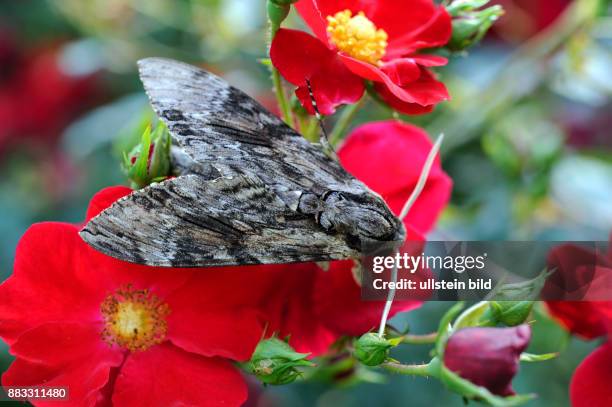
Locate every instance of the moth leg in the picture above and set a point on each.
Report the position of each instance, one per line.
(323, 138)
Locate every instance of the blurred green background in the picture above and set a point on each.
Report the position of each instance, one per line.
(528, 138)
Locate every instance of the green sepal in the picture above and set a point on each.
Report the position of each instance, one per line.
(275, 362)
(445, 327)
(372, 349)
(472, 316)
(277, 12)
(151, 157)
(531, 357)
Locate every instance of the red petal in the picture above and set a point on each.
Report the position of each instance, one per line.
(429, 60)
(582, 318)
(332, 87)
(575, 267)
(289, 308)
(48, 283)
(388, 156)
(581, 273)
(84, 379)
(426, 31)
(338, 303)
(232, 334)
(214, 313)
(402, 71)
(590, 386)
(425, 90)
(283, 293)
(110, 274)
(311, 14)
(104, 199)
(72, 342)
(215, 329)
(64, 354)
(399, 105)
(299, 56)
(167, 376)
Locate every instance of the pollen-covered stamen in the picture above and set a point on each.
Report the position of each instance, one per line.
(134, 319)
(357, 36)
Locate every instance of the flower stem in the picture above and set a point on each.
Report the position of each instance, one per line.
(410, 370)
(420, 339)
(345, 119)
(281, 98)
(277, 84)
(310, 129)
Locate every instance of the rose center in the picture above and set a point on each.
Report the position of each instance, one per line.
(357, 36)
(134, 319)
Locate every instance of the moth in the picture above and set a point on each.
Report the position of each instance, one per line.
(249, 189)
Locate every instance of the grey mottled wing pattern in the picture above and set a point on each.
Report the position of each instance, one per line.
(189, 221)
(220, 126)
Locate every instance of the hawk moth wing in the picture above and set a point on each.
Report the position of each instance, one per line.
(188, 221)
(221, 133)
(219, 125)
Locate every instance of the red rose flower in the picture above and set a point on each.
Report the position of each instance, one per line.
(109, 329)
(590, 386)
(576, 267)
(357, 40)
(388, 157)
(487, 357)
(580, 274)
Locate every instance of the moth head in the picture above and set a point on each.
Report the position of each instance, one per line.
(364, 218)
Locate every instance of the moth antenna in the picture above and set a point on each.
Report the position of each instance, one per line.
(324, 138)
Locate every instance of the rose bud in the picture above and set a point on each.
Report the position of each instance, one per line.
(470, 24)
(275, 362)
(511, 313)
(488, 357)
(278, 10)
(149, 160)
(371, 349)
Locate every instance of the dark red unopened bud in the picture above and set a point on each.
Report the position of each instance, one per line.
(488, 357)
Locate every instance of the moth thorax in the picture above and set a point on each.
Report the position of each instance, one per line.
(134, 319)
(357, 36)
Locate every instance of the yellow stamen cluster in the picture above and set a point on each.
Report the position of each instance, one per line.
(357, 36)
(134, 319)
